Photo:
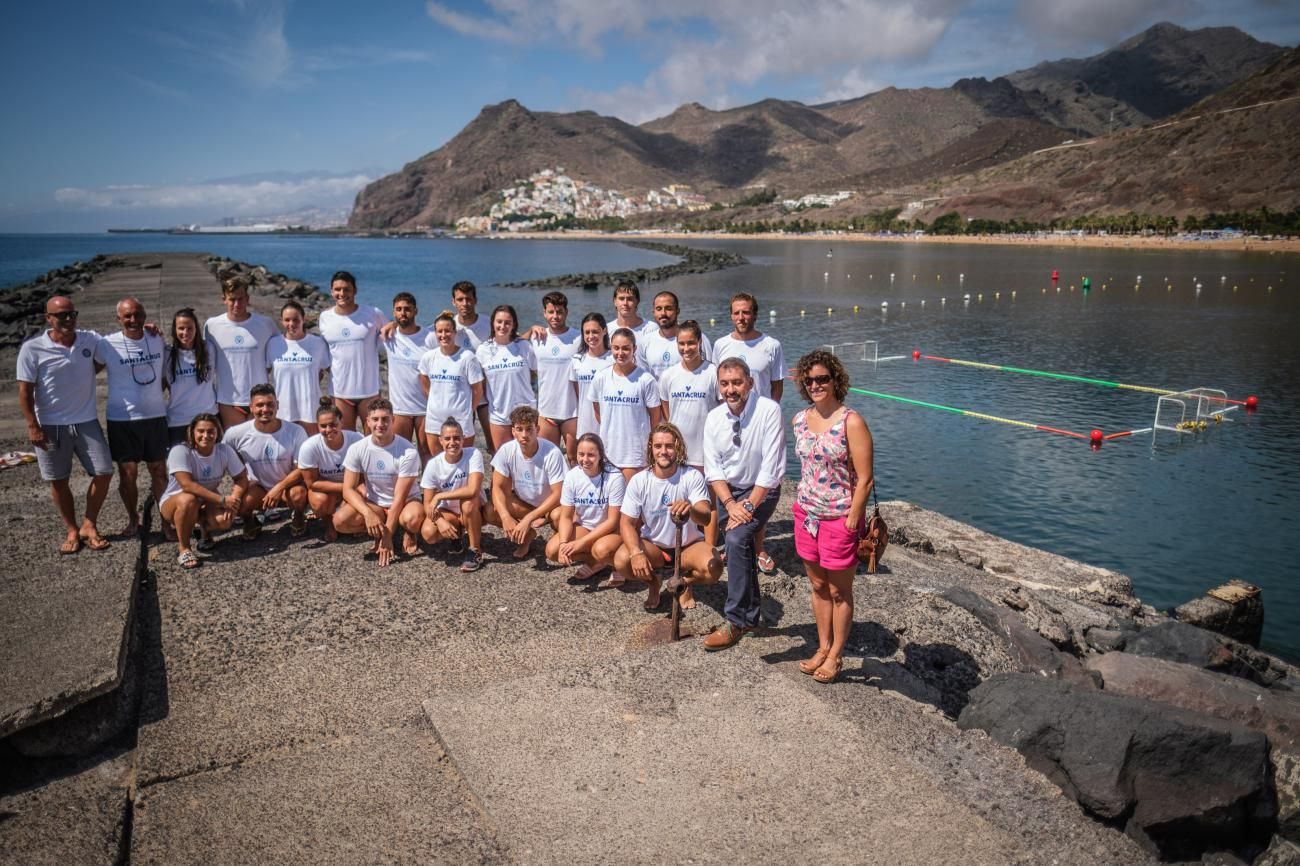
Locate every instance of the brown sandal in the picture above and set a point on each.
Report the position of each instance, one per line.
(829, 672)
(810, 665)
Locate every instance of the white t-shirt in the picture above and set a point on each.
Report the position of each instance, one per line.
(316, 454)
(470, 336)
(530, 479)
(64, 377)
(591, 497)
(509, 383)
(134, 369)
(451, 378)
(296, 366)
(440, 476)
(690, 397)
(238, 353)
(624, 403)
(354, 349)
(555, 397)
(404, 352)
(269, 457)
(648, 496)
(763, 354)
(658, 353)
(382, 465)
(205, 471)
(186, 395)
(583, 369)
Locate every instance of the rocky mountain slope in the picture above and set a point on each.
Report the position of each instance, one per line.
(874, 143)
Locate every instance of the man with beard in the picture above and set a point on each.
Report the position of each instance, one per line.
(656, 349)
(405, 344)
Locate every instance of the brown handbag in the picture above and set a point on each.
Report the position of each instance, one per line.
(871, 546)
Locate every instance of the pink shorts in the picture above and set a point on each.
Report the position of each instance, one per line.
(834, 548)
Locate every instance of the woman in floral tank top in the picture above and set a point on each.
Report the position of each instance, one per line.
(835, 457)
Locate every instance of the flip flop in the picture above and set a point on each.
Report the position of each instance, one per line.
(69, 547)
(766, 564)
(99, 542)
(614, 581)
(188, 560)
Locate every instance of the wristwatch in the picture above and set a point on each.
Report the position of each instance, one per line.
(748, 506)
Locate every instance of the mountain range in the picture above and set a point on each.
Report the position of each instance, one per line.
(976, 145)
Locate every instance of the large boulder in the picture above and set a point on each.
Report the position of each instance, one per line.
(1235, 610)
(1179, 782)
(1186, 644)
(1029, 649)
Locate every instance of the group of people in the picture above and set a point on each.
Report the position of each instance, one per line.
(639, 443)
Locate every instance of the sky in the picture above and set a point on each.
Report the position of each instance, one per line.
(162, 112)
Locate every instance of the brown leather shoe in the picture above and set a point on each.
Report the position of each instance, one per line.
(724, 636)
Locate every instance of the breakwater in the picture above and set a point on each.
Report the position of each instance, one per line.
(693, 261)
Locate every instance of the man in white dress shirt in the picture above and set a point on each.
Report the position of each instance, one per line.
(56, 393)
(744, 462)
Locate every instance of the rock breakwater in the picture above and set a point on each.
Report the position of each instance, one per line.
(693, 261)
(22, 308)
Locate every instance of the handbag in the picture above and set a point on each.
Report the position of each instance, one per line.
(871, 546)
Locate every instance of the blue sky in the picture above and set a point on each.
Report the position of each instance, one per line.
(125, 113)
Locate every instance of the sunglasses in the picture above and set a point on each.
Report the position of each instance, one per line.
(816, 380)
(65, 316)
(735, 433)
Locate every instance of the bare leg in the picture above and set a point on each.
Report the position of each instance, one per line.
(309, 426)
(432, 444)
(95, 497)
(182, 512)
(700, 564)
(841, 598)
(232, 415)
(500, 435)
(550, 430)
(821, 605)
(61, 493)
(409, 519)
(347, 412)
(325, 504)
(485, 426)
(128, 475)
(569, 432)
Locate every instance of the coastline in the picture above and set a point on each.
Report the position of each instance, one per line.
(1253, 245)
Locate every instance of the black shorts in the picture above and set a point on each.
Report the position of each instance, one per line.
(143, 441)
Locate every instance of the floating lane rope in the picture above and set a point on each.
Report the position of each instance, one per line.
(981, 415)
(1249, 402)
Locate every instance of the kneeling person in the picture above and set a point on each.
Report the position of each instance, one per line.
(454, 498)
(195, 469)
(589, 512)
(269, 449)
(529, 475)
(388, 467)
(669, 492)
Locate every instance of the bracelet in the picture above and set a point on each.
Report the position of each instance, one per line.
(728, 503)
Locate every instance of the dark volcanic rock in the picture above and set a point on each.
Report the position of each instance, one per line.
(694, 261)
(1178, 782)
(1242, 619)
(22, 308)
(1186, 644)
(267, 284)
(1030, 649)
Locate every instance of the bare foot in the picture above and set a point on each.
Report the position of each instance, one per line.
(169, 532)
(131, 529)
(539, 523)
(410, 544)
(521, 552)
(652, 598)
(687, 599)
(331, 534)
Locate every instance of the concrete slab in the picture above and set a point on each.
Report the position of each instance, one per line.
(66, 812)
(64, 620)
(672, 756)
(388, 796)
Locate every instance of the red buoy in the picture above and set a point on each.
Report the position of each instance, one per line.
(1095, 438)
(1056, 275)
(1252, 403)
(916, 356)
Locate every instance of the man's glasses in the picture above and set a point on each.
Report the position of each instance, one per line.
(816, 380)
(141, 368)
(65, 316)
(735, 433)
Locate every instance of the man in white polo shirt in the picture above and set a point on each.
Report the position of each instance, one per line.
(666, 493)
(389, 467)
(269, 448)
(744, 462)
(405, 343)
(136, 408)
(528, 477)
(56, 393)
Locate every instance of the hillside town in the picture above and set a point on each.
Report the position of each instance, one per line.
(550, 197)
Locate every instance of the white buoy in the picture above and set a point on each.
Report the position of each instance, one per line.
(713, 322)
(923, 303)
(943, 302)
(771, 314)
(803, 312)
(855, 308)
(1139, 278)
(848, 276)
(961, 278)
(903, 305)
(997, 295)
(829, 311)
(891, 276)
(980, 297)
(884, 305)
(826, 275)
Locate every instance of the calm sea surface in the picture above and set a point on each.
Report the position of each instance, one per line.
(1179, 514)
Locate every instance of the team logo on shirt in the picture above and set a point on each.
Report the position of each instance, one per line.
(663, 499)
(528, 475)
(239, 339)
(406, 351)
(379, 464)
(555, 350)
(85, 353)
(667, 355)
(206, 471)
(268, 451)
(347, 332)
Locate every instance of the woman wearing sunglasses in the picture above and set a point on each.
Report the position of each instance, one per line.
(835, 459)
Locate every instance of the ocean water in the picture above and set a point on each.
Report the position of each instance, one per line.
(1179, 513)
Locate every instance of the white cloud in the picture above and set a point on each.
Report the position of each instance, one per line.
(710, 49)
(254, 49)
(228, 199)
(850, 85)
